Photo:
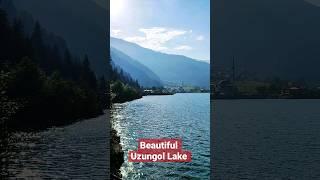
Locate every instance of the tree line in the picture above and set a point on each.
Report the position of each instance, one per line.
(43, 84)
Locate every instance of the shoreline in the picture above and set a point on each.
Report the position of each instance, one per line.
(15, 128)
(116, 155)
(116, 151)
(138, 118)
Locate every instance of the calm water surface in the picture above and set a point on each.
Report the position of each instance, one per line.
(266, 139)
(180, 115)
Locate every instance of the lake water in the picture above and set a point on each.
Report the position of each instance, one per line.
(180, 115)
(79, 151)
(252, 139)
(266, 139)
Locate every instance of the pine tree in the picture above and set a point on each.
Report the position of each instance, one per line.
(38, 45)
(5, 37)
(88, 75)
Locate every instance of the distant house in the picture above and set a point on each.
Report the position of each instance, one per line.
(147, 91)
(292, 91)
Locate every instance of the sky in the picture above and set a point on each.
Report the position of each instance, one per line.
(170, 26)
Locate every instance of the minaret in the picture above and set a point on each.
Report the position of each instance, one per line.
(233, 70)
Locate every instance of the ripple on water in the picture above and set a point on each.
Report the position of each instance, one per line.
(78, 151)
(181, 115)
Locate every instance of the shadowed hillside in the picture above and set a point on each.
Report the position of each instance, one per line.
(170, 68)
(275, 38)
(138, 71)
(83, 26)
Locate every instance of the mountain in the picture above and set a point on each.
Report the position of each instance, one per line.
(82, 23)
(26, 23)
(274, 38)
(172, 69)
(145, 77)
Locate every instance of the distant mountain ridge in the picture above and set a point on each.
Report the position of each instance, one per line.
(172, 69)
(137, 71)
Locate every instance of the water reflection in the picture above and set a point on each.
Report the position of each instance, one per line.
(181, 115)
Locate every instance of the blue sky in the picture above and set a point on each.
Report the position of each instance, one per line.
(170, 26)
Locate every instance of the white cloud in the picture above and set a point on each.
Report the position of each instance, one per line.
(183, 47)
(200, 38)
(115, 32)
(156, 37)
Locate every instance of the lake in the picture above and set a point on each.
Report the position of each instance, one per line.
(79, 151)
(252, 139)
(266, 139)
(180, 115)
